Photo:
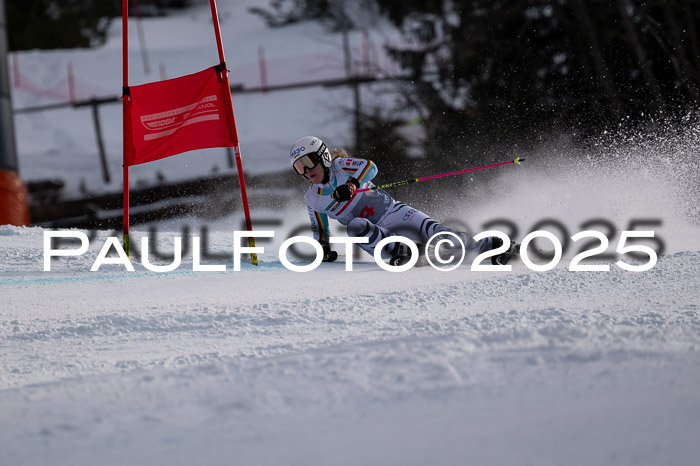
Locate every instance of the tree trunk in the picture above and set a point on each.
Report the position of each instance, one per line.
(603, 72)
(687, 74)
(644, 63)
(693, 34)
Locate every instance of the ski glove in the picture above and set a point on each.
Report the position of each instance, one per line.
(345, 191)
(328, 254)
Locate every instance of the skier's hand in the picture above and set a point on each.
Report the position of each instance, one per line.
(328, 254)
(344, 192)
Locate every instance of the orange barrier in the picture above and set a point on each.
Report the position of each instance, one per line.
(14, 204)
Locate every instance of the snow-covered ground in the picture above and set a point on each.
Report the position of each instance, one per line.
(269, 367)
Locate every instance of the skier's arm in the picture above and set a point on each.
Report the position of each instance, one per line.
(360, 171)
(366, 172)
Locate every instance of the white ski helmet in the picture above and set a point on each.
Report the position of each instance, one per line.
(309, 150)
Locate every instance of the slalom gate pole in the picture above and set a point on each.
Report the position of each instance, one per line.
(426, 178)
(232, 122)
(126, 121)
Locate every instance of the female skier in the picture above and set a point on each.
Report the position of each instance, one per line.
(373, 214)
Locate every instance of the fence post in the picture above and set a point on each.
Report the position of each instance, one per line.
(100, 144)
(365, 51)
(142, 39)
(263, 69)
(15, 71)
(229, 157)
(71, 83)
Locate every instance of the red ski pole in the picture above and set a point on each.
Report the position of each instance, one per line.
(425, 178)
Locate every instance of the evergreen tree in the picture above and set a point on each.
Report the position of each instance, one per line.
(516, 67)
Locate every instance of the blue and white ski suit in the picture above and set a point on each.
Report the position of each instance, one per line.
(372, 214)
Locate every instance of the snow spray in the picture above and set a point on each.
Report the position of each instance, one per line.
(646, 180)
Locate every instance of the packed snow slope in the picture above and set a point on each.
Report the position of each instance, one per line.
(266, 366)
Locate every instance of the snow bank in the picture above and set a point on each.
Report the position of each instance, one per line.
(267, 366)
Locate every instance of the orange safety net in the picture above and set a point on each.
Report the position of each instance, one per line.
(14, 205)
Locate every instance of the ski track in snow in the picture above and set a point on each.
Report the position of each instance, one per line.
(265, 363)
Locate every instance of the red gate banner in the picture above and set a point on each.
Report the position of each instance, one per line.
(178, 115)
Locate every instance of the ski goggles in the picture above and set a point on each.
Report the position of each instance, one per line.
(308, 161)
